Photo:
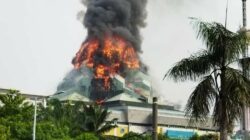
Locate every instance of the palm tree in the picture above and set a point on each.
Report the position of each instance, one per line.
(220, 84)
(96, 117)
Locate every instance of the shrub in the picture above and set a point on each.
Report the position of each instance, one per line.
(209, 137)
(87, 136)
(195, 137)
(132, 136)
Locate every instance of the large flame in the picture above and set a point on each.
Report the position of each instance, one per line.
(107, 57)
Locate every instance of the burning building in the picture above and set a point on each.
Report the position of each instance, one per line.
(108, 70)
(108, 62)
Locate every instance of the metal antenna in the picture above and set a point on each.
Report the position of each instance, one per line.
(244, 11)
(226, 15)
(245, 54)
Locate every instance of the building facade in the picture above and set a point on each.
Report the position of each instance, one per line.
(137, 117)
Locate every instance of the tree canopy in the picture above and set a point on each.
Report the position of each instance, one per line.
(221, 84)
(57, 121)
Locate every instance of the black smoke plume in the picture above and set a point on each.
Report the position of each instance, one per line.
(121, 17)
(107, 17)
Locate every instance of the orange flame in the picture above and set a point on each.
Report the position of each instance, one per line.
(85, 54)
(116, 52)
(101, 72)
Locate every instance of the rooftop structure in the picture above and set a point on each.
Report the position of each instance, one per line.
(29, 97)
(136, 86)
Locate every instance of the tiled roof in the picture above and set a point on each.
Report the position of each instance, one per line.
(73, 96)
(124, 97)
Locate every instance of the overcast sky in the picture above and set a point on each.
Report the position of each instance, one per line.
(38, 39)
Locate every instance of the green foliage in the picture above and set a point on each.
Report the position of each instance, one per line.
(4, 132)
(162, 137)
(137, 136)
(74, 119)
(16, 116)
(132, 136)
(103, 137)
(87, 136)
(95, 119)
(148, 137)
(195, 137)
(49, 131)
(221, 86)
(61, 118)
(13, 105)
(58, 121)
(209, 137)
(204, 137)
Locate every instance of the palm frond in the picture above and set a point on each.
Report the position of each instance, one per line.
(102, 118)
(237, 95)
(238, 87)
(96, 117)
(211, 34)
(221, 42)
(244, 63)
(236, 44)
(108, 126)
(191, 68)
(201, 99)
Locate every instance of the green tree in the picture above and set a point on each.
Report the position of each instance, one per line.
(14, 104)
(16, 116)
(56, 112)
(47, 130)
(4, 133)
(96, 117)
(73, 119)
(55, 121)
(220, 85)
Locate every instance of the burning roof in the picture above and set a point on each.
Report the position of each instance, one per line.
(133, 86)
(110, 50)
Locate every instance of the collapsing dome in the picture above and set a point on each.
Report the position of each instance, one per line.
(108, 63)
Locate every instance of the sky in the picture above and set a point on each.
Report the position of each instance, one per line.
(39, 38)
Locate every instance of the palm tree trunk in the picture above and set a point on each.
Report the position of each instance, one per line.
(223, 120)
(223, 126)
(223, 116)
(223, 134)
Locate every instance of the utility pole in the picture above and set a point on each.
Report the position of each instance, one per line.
(155, 119)
(34, 124)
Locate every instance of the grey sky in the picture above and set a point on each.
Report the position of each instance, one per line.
(38, 39)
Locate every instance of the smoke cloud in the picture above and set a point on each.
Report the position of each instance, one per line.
(121, 17)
